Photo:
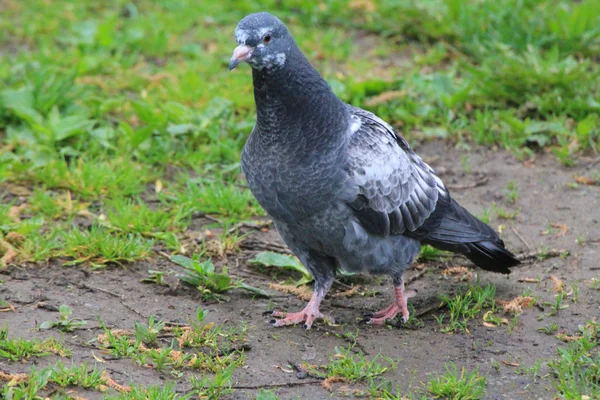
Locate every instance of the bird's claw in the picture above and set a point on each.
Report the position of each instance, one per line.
(395, 322)
(308, 316)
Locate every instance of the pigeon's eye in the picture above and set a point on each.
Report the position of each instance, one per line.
(267, 39)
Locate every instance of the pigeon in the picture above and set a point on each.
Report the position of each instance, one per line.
(343, 188)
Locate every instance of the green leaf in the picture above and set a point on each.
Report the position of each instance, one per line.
(251, 289)
(64, 310)
(47, 325)
(266, 395)
(184, 261)
(218, 282)
(201, 314)
(181, 129)
(585, 127)
(271, 259)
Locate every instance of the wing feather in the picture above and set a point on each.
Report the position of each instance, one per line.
(396, 191)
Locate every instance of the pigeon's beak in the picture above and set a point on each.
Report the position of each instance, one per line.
(241, 53)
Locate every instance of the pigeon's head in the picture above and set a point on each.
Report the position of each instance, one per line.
(264, 42)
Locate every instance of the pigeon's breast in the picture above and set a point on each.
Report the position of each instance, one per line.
(291, 188)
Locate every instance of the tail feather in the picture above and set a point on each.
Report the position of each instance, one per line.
(461, 232)
(491, 256)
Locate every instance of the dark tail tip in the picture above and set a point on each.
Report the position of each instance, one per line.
(492, 256)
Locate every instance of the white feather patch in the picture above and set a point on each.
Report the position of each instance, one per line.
(280, 59)
(241, 36)
(355, 124)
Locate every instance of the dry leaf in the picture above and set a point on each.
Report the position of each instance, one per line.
(302, 292)
(559, 285)
(347, 293)
(103, 337)
(14, 238)
(516, 305)
(97, 358)
(13, 379)
(528, 280)
(17, 190)
(111, 383)
(215, 248)
(73, 396)
(491, 322)
(14, 213)
(584, 180)
(9, 253)
(384, 97)
(459, 273)
(333, 379)
(158, 186)
(567, 338)
(363, 5)
(510, 363)
(562, 229)
(289, 371)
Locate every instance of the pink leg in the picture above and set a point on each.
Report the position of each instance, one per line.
(398, 306)
(307, 315)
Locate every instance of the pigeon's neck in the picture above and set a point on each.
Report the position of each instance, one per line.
(294, 103)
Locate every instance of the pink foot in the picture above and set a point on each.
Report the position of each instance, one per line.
(386, 311)
(308, 315)
(398, 306)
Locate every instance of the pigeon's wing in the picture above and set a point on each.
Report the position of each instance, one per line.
(396, 191)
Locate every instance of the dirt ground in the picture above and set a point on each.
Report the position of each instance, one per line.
(477, 179)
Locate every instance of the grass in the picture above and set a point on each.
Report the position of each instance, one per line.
(200, 346)
(353, 367)
(465, 306)
(80, 375)
(99, 247)
(126, 113)
(457, 385)
(18, 349)
(577, 367)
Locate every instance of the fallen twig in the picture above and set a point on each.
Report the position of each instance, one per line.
(254, 244)
(93, 288)
(416, 276)
(521, 238)
(277, 385)
(256, 227)
(133, 309)
(471, 185)
(8, 307)
(48, 307)
(543, 254)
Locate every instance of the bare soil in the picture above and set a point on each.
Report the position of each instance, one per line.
(546, 197)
